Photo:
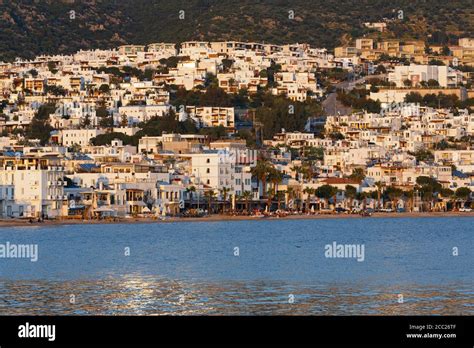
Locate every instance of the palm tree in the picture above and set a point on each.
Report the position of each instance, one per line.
(409, 195)
(224, 192)
(361, 198)
(351, 193)
(247, 196)
(261, 171)
(379, 186)
(394, 195)
(289, 193)
(275, 177)
(334, 197)
(298, 170)
(280, 195)
(309, 191)
(190, 190)
(210, 194)
(270, 195)
(307, 171)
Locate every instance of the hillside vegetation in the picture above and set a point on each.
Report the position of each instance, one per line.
(31, 27)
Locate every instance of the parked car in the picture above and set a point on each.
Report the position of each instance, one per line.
(386, 210)
(465, 210)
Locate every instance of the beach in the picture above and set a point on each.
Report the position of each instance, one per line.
(221, 217)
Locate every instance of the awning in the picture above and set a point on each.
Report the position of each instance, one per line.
(103, 210)
(136, 203)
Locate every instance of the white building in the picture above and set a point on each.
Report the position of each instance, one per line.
(81, 137)
(141, 113)
(444, 75)
(222, 168)
(33, 186)
(207, 116)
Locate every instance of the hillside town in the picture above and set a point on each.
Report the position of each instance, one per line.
(238, 128)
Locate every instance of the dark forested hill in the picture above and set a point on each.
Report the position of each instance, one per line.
(30, 27)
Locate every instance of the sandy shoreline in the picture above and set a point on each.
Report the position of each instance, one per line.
(220, 218)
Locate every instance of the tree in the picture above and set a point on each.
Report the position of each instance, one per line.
(39, 127)
(275, 177)
(445, 51)
(435, 62)
(166, 123)
(247, 196)
(394, 194)
(104, 88)
(422, 155)
(409, 196)
(314, 153)
(426, 181)
(309, 191)
(428, 187)
(52, 67)
(210, 194)
(361, 197)
(224, 192)
(380, 69)
(336, 136)
(214, 133)
(227, 64)
(463, 193)
(446, 193)
(326, 192)
(432, 83)
(280, 195)
(56, 90)
(261, 171)
(379, 185)
(86, 121)
(106, 122)
(191, 191)
(414, 97)
(351, 193)
(106, 139)
(357, 174)
(124, 121)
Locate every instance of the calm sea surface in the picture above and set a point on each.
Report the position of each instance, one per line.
(243, 268)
